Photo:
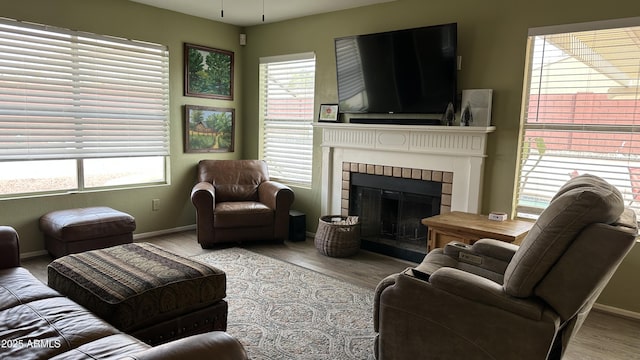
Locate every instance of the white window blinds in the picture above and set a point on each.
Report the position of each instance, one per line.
(581, 112)
(287, 101)
(67, 94)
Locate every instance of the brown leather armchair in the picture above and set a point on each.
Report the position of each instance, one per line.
(493, 300)
(235, 201)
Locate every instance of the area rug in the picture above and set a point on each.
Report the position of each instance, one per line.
(282, 311)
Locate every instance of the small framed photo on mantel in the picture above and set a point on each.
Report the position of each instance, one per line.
(329, 113)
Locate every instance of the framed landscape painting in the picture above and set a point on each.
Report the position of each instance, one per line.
(208, 129)
(208, 72)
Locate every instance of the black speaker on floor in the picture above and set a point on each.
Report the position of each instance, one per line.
(297, 226)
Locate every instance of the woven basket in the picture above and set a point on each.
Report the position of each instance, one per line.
(337, 240)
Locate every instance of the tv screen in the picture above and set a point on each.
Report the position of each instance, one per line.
(405, 71)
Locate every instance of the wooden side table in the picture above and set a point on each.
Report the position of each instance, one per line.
(468, 228)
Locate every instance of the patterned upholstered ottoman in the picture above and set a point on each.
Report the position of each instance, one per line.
(143, 290)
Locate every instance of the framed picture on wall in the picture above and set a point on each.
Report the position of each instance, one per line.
(328, 113)
(208, 129)
(208, 72)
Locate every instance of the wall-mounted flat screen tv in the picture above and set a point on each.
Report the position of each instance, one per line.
(405, 71)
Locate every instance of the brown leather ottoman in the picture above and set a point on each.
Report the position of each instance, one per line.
(76, 230)
(145, 291)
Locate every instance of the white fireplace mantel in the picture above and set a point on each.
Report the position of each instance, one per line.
(456, 149)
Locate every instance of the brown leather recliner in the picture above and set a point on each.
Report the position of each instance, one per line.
(494, 300)
(235, 201)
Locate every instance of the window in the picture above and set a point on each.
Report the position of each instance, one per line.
(287, 86)
(581, 110)
(79, 110)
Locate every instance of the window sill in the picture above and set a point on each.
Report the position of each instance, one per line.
(75, 192)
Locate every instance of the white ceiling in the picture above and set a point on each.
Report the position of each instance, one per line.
(249, 12)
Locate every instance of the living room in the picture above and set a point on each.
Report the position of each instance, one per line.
(491, 40)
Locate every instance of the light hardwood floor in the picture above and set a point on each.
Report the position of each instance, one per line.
(603, 336)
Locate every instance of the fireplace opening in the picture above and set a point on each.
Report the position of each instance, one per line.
(390, 209)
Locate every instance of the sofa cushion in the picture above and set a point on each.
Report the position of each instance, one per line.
(57, 324)
(582, 201)
(19, 286)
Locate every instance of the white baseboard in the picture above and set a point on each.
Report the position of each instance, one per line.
(32, 254)
(150, 234)
(136, 237)
(616, 311)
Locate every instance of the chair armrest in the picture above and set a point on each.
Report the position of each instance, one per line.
(278, 197)
(203, 196)
(385, 283)
(484, 291)
(214, 345)
(484, 255)
(274, 195)
(9, 248)
(495, 249)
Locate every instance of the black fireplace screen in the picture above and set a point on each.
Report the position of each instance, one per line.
(390, 210)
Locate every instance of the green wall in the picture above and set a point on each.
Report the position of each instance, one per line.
(131, 20)
(492, 39)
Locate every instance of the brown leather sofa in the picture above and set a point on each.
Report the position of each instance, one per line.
(494, 300)
(36, 322)
(235, 201)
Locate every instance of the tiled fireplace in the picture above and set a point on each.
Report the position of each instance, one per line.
(450, 158)
(427, 175)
